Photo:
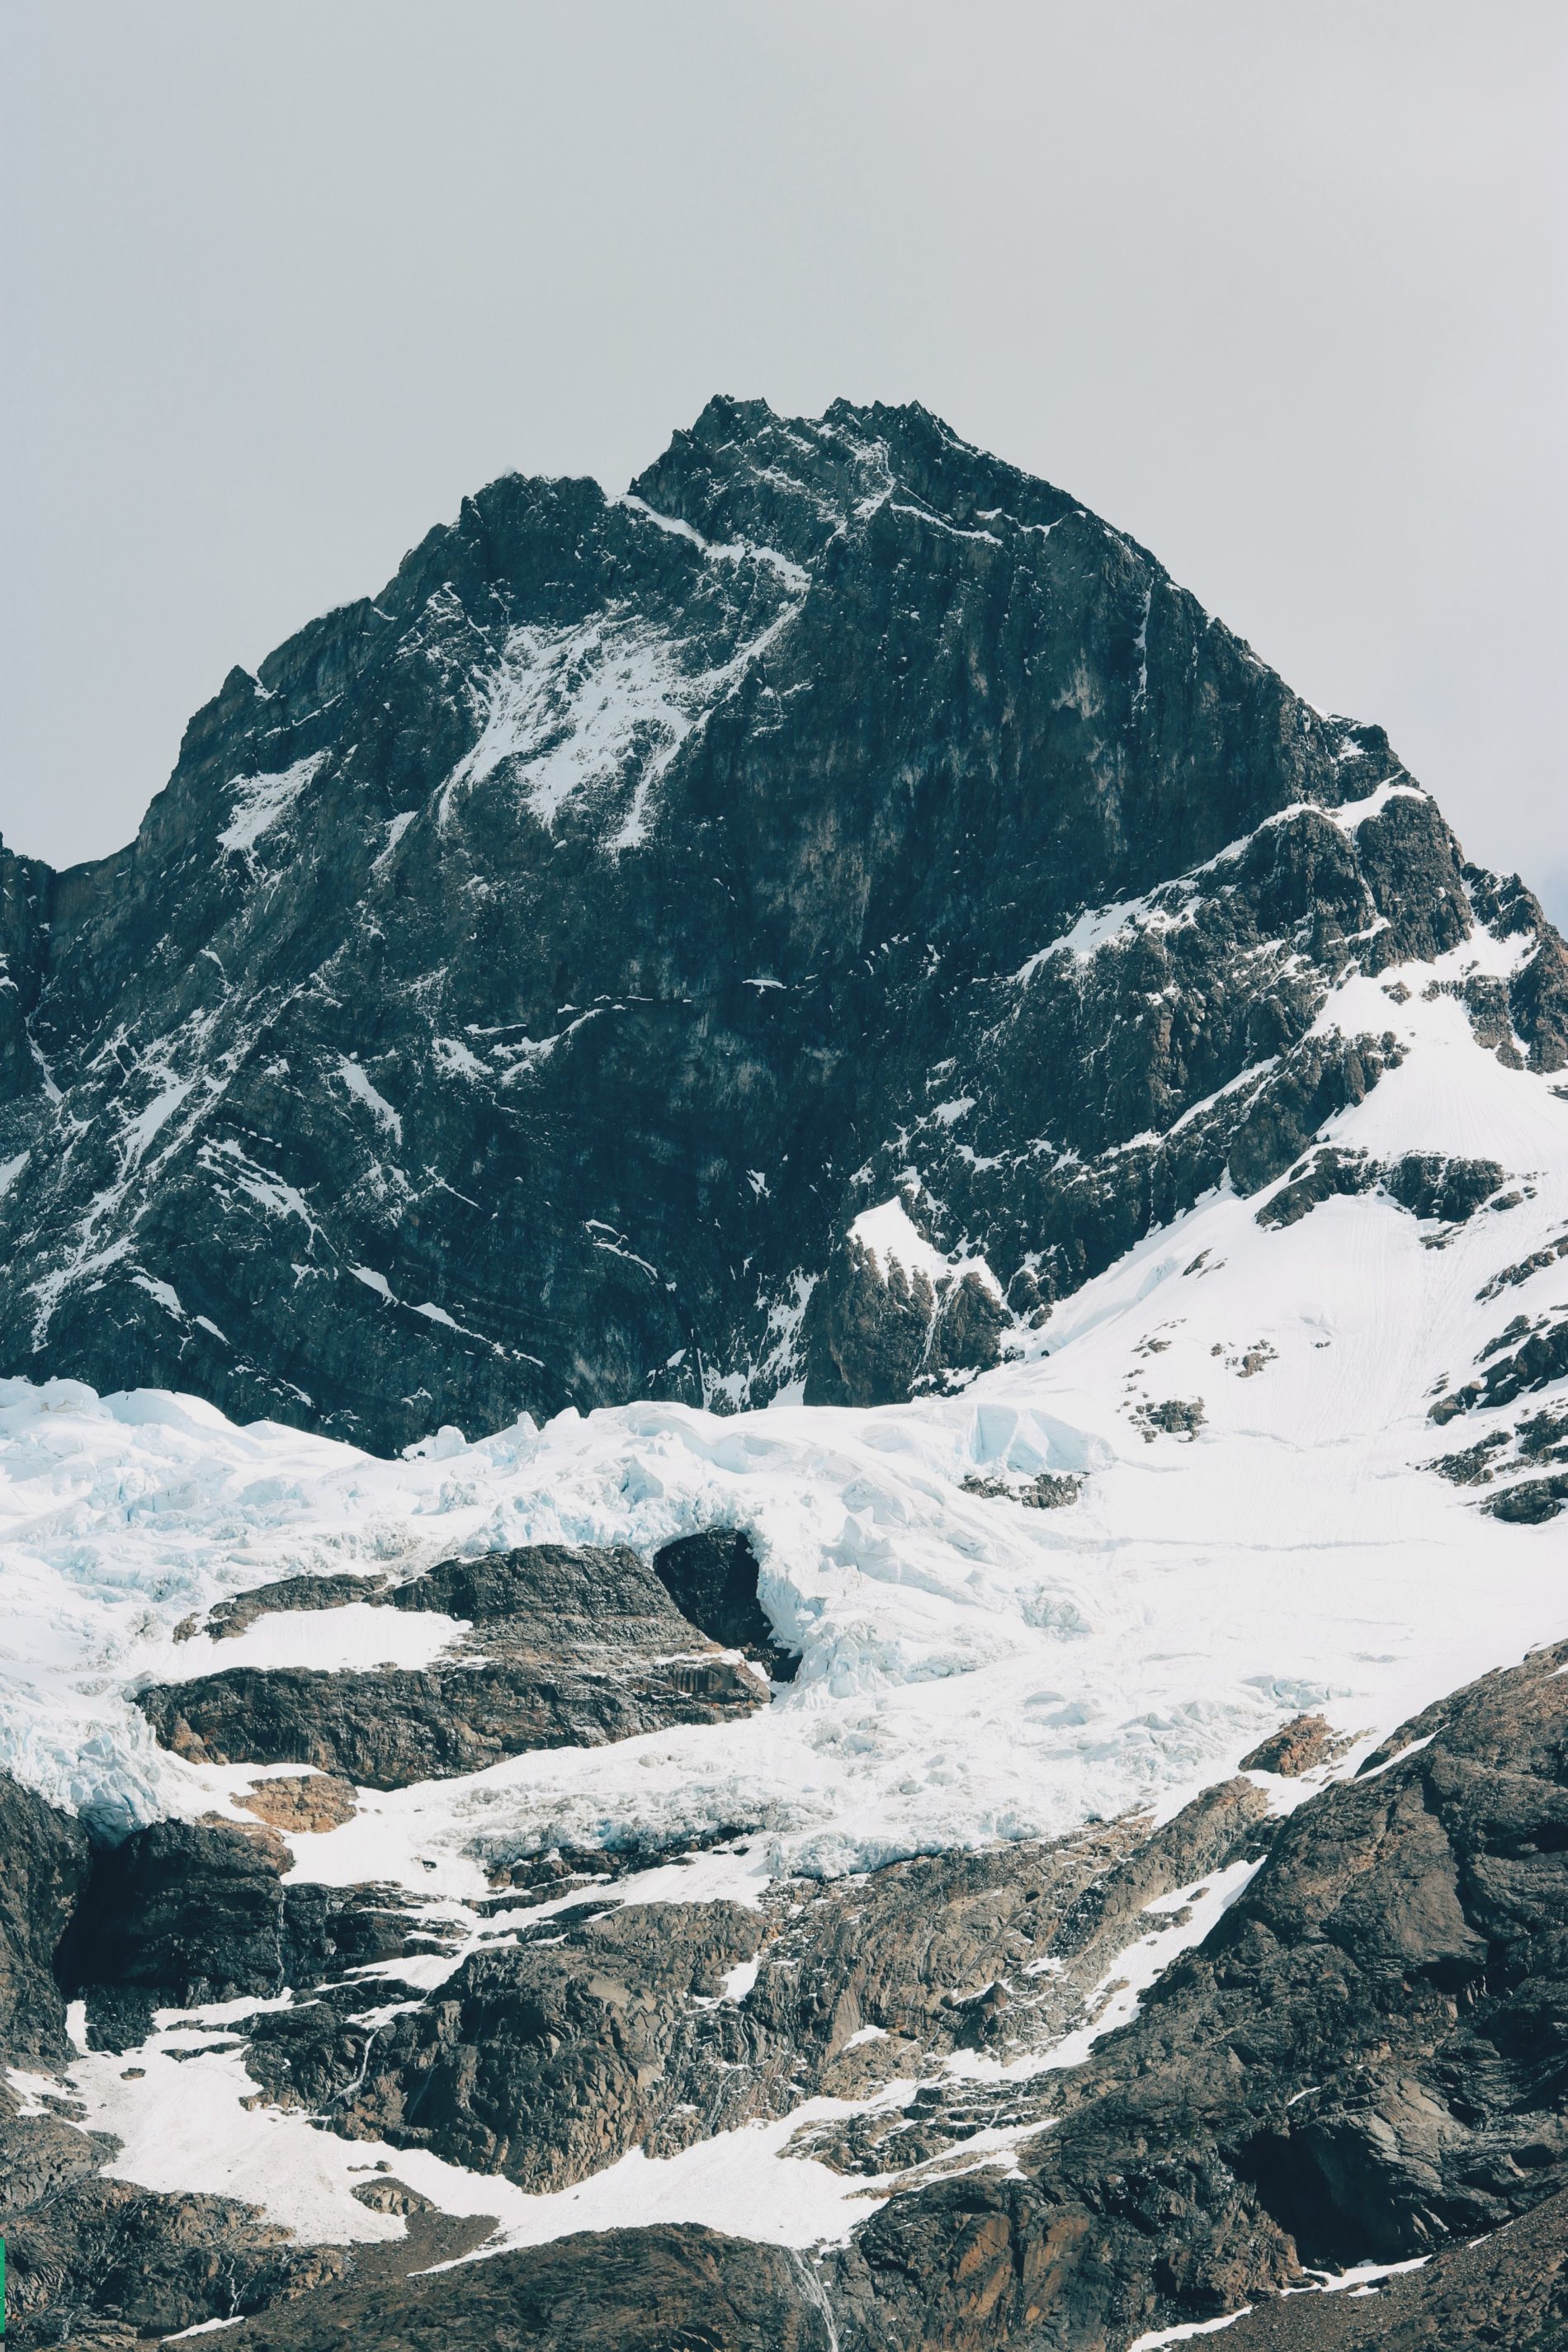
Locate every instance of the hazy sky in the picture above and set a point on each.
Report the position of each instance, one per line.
(1279, 289)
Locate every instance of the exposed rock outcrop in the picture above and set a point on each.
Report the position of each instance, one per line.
(566, 1645)
(712, 1579)
(187, 1912)
(45, 1860)
(1523, 1358)
(1303, 1745)
(648, 2289)
(1361, 2062)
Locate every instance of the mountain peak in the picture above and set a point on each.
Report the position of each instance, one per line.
(530, 977)
(806, 478)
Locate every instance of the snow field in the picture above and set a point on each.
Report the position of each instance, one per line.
(972, 1669)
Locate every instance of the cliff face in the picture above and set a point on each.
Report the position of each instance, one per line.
(528, 981)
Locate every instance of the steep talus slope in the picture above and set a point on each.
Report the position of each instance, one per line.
(527, 980)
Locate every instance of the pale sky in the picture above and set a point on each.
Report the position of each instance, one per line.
(1277, 285)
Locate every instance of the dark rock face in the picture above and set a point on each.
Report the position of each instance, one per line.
(1425, 1182)
(1430, 1186)
(567, 1646)
(879, 1334)
(391, 1727)
(192, 1909)
(1520, 1359)
(651, 2290)
(185, 1912)
(525, 981)
(545, 2062)
(1504, 2294)
(1531, 1502)
(44, 1864)
(712, 1579)
(1330, 1174)
(1362, 2062)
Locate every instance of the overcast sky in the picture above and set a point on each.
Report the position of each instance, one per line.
(1279, 289)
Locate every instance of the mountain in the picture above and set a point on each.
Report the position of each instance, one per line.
(974, 1749)
(528, 981)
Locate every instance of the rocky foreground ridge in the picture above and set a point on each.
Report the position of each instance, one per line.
(527, 979)
(1361, 2062)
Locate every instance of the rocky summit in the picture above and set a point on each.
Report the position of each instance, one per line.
(529, 979)
(784, 1323)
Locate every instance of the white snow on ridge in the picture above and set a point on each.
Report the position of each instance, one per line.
(573, 710)
(731, 550)
(1351, 815)
(1171, 904)
(260, 801)
(891, 1236)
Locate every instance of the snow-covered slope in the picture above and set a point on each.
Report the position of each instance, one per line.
(972, 1668)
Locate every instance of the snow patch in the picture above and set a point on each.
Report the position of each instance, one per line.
(1187, 2330)
(261, 801)
(358, 1084)
(1351, 815)
(889, 1236)
(572, 712)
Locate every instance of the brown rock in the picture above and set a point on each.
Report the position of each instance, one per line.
(1298, 1747)
(318, 1800)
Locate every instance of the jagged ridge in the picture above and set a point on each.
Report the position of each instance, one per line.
(527, 980)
